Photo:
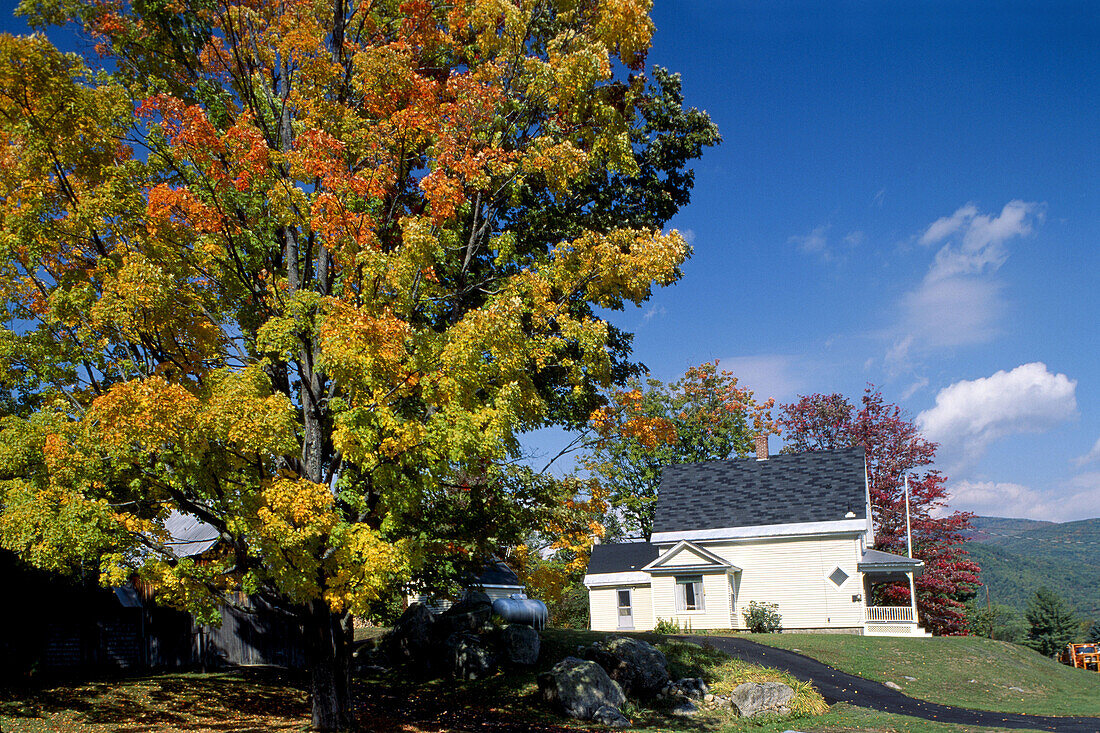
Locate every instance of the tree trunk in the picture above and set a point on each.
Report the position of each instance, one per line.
(328, 655)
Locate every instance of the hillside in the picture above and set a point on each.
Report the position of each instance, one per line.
(956, 670)
(1017, 556)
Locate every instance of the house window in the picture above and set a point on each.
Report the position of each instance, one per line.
(689, 593)
(838, 577)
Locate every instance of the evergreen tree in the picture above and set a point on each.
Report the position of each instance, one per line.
(1094, 632)
(1052, 623)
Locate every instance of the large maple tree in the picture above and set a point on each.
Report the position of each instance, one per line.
(302, 268)
(895, 448)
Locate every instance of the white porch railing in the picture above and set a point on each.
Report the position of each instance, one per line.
(900, 614)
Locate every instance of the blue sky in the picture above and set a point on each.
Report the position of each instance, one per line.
(906, 194)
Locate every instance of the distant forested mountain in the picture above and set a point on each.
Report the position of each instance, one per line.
(1018, 556)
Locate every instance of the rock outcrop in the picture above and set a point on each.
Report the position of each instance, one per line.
(583, 690)
(519, 645)
(753, 699)
(639, 667)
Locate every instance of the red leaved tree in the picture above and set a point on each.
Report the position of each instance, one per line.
(894, 448)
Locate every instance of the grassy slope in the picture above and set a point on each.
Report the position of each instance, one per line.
(964, 671)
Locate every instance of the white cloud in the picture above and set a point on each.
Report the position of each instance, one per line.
(959, 301)
(1092, 455)
(688, 235)
(992, 498)
(653, 311)
(879, 197)
(767, 375)
(948, 225)
(813, 243)
(1079, 498)
(980, 246)
(952, 312)
(970, 414)
(854, 239)
(913, 388)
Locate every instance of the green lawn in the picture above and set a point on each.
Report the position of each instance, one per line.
(958, 670)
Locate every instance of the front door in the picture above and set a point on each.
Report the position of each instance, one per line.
(626, 611)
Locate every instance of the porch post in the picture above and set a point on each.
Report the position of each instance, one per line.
(913, 597)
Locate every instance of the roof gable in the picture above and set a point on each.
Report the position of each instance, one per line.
(819, 486)
(686, 555)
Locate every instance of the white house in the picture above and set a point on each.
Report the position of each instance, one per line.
(794, 530)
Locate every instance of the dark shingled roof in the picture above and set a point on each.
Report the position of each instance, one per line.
(621, 558)
(819, 486)
(497, 572)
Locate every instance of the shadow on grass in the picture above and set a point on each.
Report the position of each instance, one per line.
(506, 703)
(215, 702)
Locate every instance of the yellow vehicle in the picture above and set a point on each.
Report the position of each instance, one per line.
(1085, 656)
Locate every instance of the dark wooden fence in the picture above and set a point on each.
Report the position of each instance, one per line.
(161, 638)
(53, 625)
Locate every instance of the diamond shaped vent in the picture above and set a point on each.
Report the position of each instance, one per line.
(838, 577)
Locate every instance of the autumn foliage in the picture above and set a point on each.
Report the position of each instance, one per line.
(706, 415)
(295, 267)
(895, 448)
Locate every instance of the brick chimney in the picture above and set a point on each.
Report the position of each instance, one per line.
(761, 447)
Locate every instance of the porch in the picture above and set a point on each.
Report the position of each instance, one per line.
(891, 621)
(883, 567)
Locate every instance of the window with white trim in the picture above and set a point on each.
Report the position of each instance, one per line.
(689, 593)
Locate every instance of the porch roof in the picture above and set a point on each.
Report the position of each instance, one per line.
(877, 562)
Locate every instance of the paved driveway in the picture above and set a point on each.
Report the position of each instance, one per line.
(837, 686)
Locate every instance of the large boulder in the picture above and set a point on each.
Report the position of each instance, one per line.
(470, 613)
(581, 689)
(639, 667)
(411, 638)
(468, 658)
(520, 645)
(753, 699)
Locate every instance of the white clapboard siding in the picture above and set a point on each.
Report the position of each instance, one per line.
(716, 601)
(604, 609)
(794, 574)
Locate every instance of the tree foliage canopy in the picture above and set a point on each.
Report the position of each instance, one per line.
(895, 448)
(305, 269)
(703, 416)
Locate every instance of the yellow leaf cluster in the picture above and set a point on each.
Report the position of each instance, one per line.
(146, 415)
(365, 567)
